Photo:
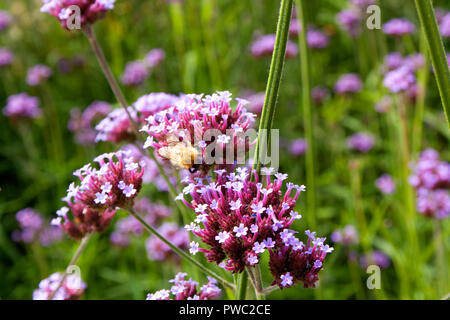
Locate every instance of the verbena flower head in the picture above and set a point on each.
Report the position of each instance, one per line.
(152, 213)
(82, 123)
(90, 10)
(72, 287)
(361, 142)
(295, 27)
(263, 47)
(363, 4)
(347, 236)
(238, 219)
(385, 184)
(298, 147)
(33, 229)
(37, 74)
(158, 250)
(398, 27)
(400, 79)
(377, 257)
(348, 84)
(6, 57)
(317, 39)
(431, 180)
(183, 289)
(135, 73)
(5, 20)
(177, 133)
(350, 21)
(21, 106)
(115, 184)
(154, 58)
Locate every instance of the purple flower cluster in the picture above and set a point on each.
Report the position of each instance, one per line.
(298, 147)
(6, 57)
(255, 102)
(176, 133)
(21, 106)
(90, 10)
(5, 20)
(152, 213)
(398, 27)
(37, 74)
(361, 142)
(187, 290)
(33, 229)
(238, 219)
(263, 47)
(82, 123)
(348, 84)
(158, 250)
(72, 287)
(117, 127)
(431, 180)
(94, 201)
(385, 184)
(347, 236)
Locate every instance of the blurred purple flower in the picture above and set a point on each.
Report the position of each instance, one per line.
(135, 73)
(361, 142)
(5, 19)
(154, 58)
(348, 83)
(298, 147)
(263, 47)
(6, 57)
(444, 25)
(37, 74)
(158, 250)
(385, 184)
(316, 39)
(400, 79)
(72, 287)
(319, 94)
(393, 61)
(347, 236)
(350, 21)
(398, 27)
(21, 106)
(378, 258)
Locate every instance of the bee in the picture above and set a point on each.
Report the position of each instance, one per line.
(181, 154)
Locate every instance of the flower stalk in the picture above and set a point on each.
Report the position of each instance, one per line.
(437, 52)
(75, 258)
(307, 113)
(274, 80)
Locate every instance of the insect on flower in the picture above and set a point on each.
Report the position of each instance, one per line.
(181, 154)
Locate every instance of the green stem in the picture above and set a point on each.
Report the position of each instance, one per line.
(437, 52)
(177, 250)
(242, 287)
(307, 114)
(89, 32)
(72, 262)
(275, 73)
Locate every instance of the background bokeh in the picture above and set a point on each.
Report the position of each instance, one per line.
(206, 44)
